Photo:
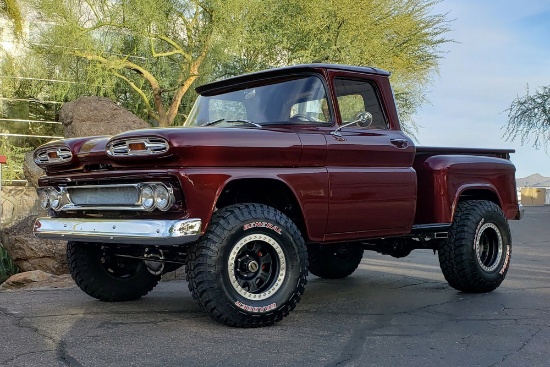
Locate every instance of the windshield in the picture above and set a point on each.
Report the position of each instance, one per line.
(301, 100)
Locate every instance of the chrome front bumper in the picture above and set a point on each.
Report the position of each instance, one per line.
(123, 231)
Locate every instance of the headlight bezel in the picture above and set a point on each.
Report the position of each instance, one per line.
(146, 195)
(165, 193)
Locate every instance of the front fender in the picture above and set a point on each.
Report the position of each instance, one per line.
(202, 188)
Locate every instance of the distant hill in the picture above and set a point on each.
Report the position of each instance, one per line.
(535, 180)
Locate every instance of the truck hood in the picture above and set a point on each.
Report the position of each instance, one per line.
(185, 147)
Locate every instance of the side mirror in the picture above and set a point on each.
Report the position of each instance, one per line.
(363, 119)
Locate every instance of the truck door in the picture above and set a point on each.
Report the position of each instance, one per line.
(371, 179)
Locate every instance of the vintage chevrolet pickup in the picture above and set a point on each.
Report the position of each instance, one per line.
(274, 173)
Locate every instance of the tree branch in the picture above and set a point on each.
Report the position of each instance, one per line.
(169, 53)
(193, 75)
(125, 64)
(150, 111)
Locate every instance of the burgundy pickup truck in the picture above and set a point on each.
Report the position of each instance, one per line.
(274, 173)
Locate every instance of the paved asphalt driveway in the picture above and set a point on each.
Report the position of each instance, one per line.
(390, 312)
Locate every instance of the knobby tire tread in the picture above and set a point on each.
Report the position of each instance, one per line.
(204, 255)
(88, 274)
(456, 257)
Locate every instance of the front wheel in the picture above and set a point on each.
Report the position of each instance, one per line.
(249, 269)
(476, 256)
(99, 272)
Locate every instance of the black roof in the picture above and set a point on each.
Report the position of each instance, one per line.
(224, 83)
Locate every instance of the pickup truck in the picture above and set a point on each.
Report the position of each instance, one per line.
(273, 174)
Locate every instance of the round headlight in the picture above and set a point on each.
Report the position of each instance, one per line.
(163, 199)
(55, 199)
(44, 199)
(147, 197)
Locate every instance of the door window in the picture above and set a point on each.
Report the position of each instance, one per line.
(356, 96)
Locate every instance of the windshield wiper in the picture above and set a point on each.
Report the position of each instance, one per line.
(210, 123)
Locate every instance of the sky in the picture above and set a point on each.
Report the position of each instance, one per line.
(500, 47)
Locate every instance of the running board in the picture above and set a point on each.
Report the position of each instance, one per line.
(436, 231)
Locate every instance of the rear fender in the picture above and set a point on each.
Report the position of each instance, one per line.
(445, 180)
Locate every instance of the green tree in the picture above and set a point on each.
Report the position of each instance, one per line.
(11, 9)
(159, 49)
(529, 118)
(400, 36)
(155, 47)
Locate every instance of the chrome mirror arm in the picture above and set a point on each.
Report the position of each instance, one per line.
(337, 131)
(363, 119)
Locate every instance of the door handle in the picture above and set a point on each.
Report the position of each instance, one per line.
(400, 143)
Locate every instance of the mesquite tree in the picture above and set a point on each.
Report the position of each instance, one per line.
(529, 118)
(158, 49)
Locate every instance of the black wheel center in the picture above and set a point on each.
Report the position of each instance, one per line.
(256, 266)
(489, 247)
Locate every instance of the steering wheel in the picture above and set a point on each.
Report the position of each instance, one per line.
(302, 117)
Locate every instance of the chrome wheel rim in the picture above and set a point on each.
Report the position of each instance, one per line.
(489, 247)
(257, 267)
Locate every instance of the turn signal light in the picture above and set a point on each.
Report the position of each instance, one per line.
(136, 146)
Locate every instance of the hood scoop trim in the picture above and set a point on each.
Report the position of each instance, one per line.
(137, 147)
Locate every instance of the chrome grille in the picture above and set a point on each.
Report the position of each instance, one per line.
(106, 195)
(144, 196)
(137, 147)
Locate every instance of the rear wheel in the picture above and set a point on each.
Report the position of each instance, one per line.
(476, 256)
(97, 270)
(333, 261)
(249, 269)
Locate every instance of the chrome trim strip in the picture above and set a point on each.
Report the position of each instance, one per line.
(122, 231)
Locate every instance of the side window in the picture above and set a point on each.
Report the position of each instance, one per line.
(226, 109)
(355, 96)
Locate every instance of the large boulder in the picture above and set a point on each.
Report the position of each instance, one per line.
(31, 171)
(31, 253)
(87, 116)
(92, 116)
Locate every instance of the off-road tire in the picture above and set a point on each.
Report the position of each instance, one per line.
(476, 256)
(249, 269)
(333, 261)
(105, 277)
